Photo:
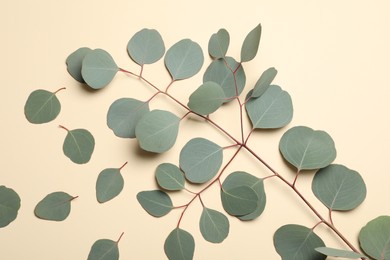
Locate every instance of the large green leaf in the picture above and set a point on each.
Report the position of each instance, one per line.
(239, 201)
(251, 44)
(213, 225)
(55, 206)
(219, 44)
(9, 205)
(222, 74)
(237, 179)
(273, 109)
(104, 249)
(42, 106)
(98, 68)
(184, 59)
(339, 253)
(179, 245)
(374, 238)
(109, 184)
(338, 187)
(74, 63)
(156, 202)
(157, 131)
(146, 46)
(264, 82)
(79, 145)
(124, 114)
(207, 98)
(307, 149)
(200, 159)
(295, 242)
(170, 177)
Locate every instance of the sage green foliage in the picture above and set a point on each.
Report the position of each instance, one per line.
(339, 188)
(156, 202)
(214, 225)
(179, 245)
(9, 205)
(250, 45)
(239, 201)
(104, 249)
(74, 63)
(219, 44)
(374, 238)
(264, 82)
(296, 242)
(170, 177)
(207, 98)
(54, 206)
(338, 253)
(109, 184)
(79, 145)
(41, 107)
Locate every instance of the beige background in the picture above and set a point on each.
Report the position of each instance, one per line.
(332, 57)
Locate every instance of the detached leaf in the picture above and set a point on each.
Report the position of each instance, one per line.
(264, 82)
(9, 206)
(374, 238)
(79, 145)
(157, 203)
(239, 201)
(42, 106)
(207, 98)
(339, 253)
(109, 184)
(251, 44)
(170, 177)
(179, 245)
(74, 63)
(214, 225)
(104, 249)
(55, 206)
(219, 44)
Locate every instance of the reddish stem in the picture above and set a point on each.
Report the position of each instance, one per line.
(119, 239)
(123, 166)
(73, 198)
(63, 127)
(58, 90)
(296, 177)
(169, 85)
(185, 115)
(142, 69)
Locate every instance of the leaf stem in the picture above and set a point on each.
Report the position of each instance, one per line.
(58, 90)
(185, 115)
(123, 166)
(319, 223)
(73, 198)
(169, 85)
(330, 217)
(120, 237)
(142, 70)
(63, 127)
(296, 177)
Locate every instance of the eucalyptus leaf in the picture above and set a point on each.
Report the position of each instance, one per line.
(339, 188)
(307, 149)
(42, 106)
(200, 159)
(146, 47)
(109, 184)
(239, 201)
(98, 68)
(295, 242)
(55, 206)
(104, 249)
(264, 82)
(179, 245)
(170, 177)
(213, 225)
(124, 114)
(250, 45)
(74, 63)
(156, 202)
(219, 44)
(78, 145)
(157, 131)
(374, 238)
(9, 205)
(207, 98)
(184, 59)
(338, 253)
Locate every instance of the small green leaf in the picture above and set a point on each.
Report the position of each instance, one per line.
(339, 188)
(9, 206)
(307, 149)
(207, 98)
(271, 110)
(98, 68)
(200, 159)
(42, 106)
(157, 131)
(184, 59)
(179, 245)
(214, 225)
(156, 202)
(222, 74)
(146, 47)
(170, 177)
(264, 82)
(251, 44)
(374, 238)
(55, 206)
(219, 44)
(78, 145)
(74, 63)
(295, 242)
(124, 114)
(109, 184)
(338, 253)
(104, 249)
(239, 201)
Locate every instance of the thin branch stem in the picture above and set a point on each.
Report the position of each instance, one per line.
(330, 217)
(63, 127)
(58, 90)
(316, 225)
(185, 115)
(120, 237)
(142, 69)
(169, 85)
(296, 177)
(123, 166)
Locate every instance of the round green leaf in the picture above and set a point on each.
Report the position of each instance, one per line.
(239, 201)
(157, 131)
(98, 68)
(170, 177)
(273, 109)
(374, 238)
(79, 145)
(338, 253)
(200, 159)
(295, 242)
(264, 82)
(219, 44)
(55, 206)
(104, 249)
(251, 44)
(237, 179)
(124, 114)
(42, 106)
(338, 187)
(179, 245)
(109, 184)
(222, 74)
(156, 202)
(74, 63)
(307, 149)
(213, 225)
(9, 205)
(146, 47)
(184, 59)
(207, 98)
